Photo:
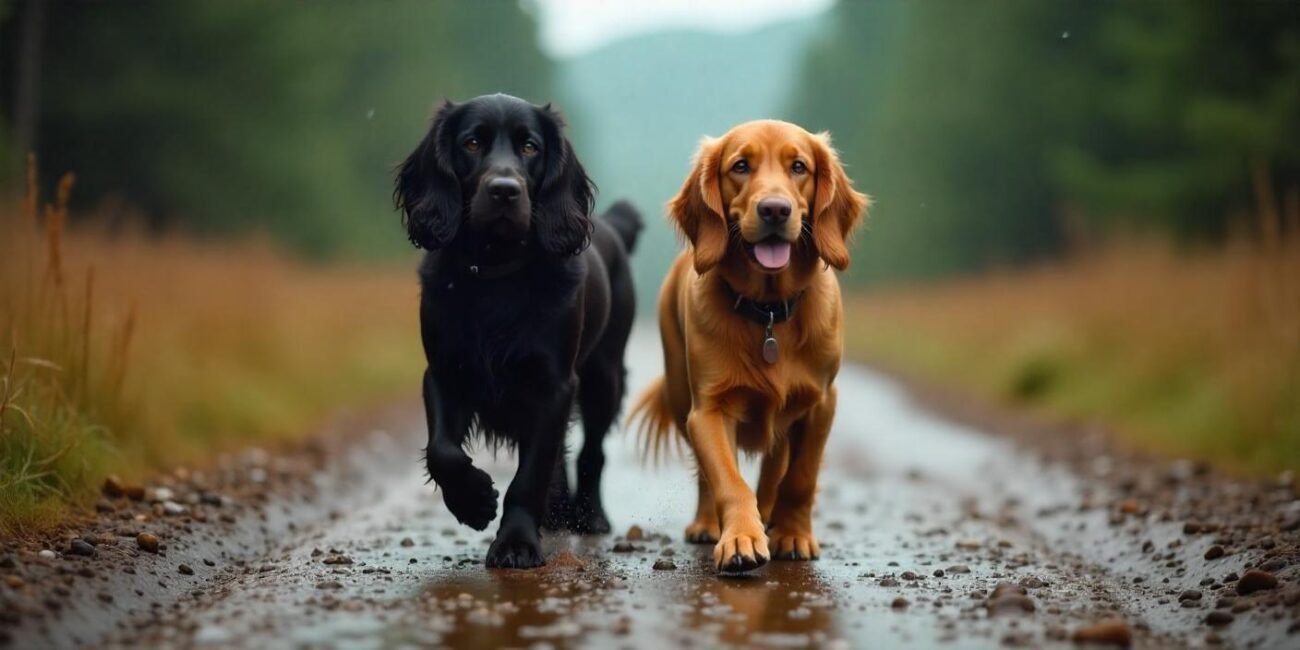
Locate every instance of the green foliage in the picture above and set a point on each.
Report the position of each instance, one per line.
(245, 115)
(984, 129)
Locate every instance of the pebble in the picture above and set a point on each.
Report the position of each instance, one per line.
(147, 542)
(635, 534)
(959, 568)
(1031, 582)
(337, 559)
(105, 506)
(665, 564)
(163, 494)
(15, 582)
(1214, 552)
(81, 547)
(900, 603)
(1190, 594)
(330, 584)
(1112, 632)
(47, 554)
(1218, 618)
(173, 509)
(185, 569)
(624, 547)
(1256, 580)
(888, 582)
(407, 542)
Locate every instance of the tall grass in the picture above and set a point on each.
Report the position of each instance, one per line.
(127, 354)
(1185, 352)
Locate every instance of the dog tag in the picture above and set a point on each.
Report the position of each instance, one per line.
(770, 351)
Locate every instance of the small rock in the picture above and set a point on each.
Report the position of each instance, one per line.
(113, 487)
(1274, 565)
(1112, 632)
(15, 582)
(211, 499)
(1224, 602)
(959, 568)
(407, 542)
(147, 542)
(81, 547)
(1218, 618)
(1214, 552)
(909, 575)
(1031, 582)
(888, 582)
(1256, 580)
(330, 584)
(900, 603)
(624, 547)
(1190, 594)
(47, 554)
(664, 564)
(968, 544)
(1130, 506)
(105, 506)
(938, 573)
(185, 569)
(163, 494)
(635, 534)
(173, 509)
(337, 559)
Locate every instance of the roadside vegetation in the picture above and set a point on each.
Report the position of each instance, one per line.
(126, 354)
(1184, 352)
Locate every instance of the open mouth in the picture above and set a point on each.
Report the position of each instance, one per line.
(771, 253)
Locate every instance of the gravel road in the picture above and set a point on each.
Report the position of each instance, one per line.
(934, 534)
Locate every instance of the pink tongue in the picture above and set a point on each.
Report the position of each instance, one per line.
(772, 255)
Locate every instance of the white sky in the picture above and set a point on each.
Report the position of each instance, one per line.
(574, 27)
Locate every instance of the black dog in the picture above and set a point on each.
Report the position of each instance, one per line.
(526, 307)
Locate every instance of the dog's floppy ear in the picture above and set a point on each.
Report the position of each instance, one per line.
(426, 189)
(697, 208)
(838, 208)
(566, 196)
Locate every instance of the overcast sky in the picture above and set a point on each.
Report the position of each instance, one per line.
(574, 27)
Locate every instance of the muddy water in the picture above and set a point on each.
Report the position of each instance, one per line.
(919, 519)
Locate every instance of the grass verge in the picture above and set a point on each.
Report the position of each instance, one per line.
(1184, 353)
(128, 354)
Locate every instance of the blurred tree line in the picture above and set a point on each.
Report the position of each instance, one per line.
(247, 115)
(995, 132)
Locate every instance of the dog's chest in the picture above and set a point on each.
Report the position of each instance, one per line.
(762, 416)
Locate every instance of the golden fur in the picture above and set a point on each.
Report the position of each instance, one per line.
(717, 389)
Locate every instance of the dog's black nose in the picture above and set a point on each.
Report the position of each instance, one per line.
(505, 190)
(774, 210)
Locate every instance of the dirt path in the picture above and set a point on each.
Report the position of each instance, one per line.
(932, 534)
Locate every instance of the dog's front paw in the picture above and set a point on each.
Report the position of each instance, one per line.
(794, 544)
(743, 547)
(469, 495)
(515, 549)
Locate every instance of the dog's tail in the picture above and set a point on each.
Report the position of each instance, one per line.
(655, 430)
(626, 221)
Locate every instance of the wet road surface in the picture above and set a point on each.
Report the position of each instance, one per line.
(933, 535)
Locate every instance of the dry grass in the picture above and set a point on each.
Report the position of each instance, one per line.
(129, 354)
(1191, 353)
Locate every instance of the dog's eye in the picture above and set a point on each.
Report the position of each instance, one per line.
(799, 167)
(471, 144)
(530, 149)
(740, 167)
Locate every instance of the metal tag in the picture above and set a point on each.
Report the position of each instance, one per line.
(770, 350)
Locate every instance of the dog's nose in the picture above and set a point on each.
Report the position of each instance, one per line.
(504, 190)
(774, 210)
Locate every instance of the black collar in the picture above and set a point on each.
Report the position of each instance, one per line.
(481, 269)
(763, 313)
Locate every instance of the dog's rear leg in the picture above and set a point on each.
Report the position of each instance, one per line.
(600, 394)
(467, 490)
(518, 544)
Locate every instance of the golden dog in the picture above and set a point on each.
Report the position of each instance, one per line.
(751, 320)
